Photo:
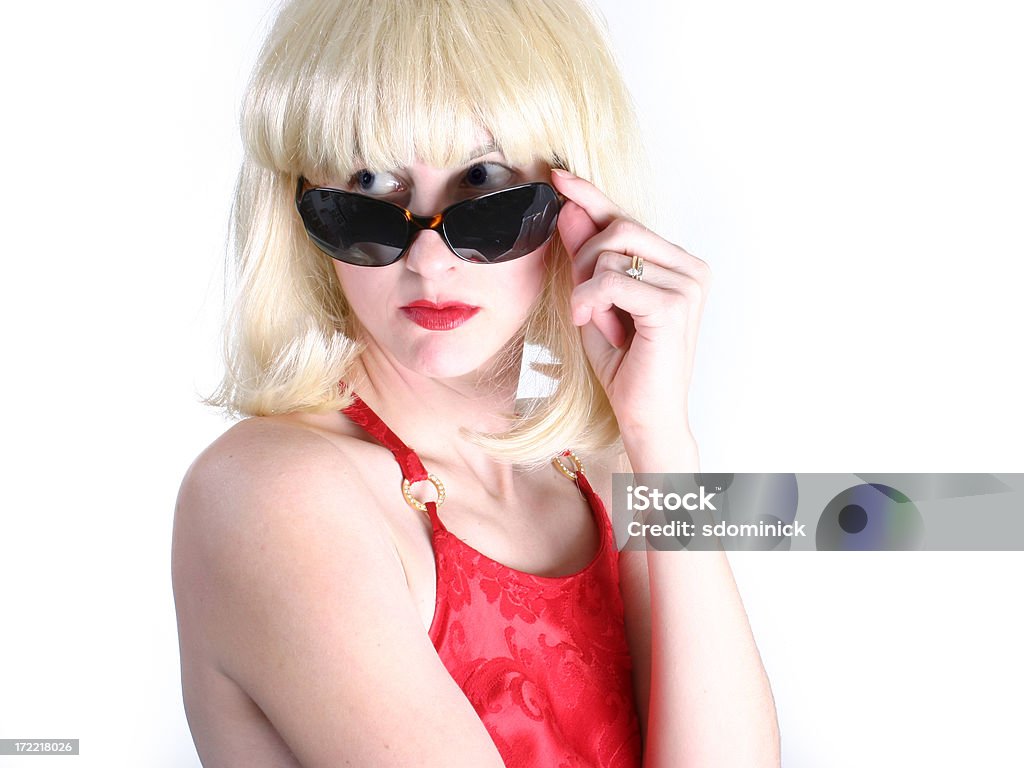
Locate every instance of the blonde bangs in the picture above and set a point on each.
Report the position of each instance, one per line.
(388, 83)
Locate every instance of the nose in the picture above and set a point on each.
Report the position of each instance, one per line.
(429, 255)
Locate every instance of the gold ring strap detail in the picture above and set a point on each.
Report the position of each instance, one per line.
(557, 461)
(416, 503)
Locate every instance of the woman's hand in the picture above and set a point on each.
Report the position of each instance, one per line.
(640, 335)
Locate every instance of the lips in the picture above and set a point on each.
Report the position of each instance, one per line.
(443, 316)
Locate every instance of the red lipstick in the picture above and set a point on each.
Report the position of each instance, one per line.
(439, 317)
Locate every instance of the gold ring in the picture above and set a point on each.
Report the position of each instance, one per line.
(416, 503)
(636, 268)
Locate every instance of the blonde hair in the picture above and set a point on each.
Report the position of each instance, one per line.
(345, 84)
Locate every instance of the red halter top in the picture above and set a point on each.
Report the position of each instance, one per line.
(543, 660)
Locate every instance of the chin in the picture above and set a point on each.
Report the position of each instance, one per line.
(451, 361)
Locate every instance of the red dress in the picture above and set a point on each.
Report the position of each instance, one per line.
(543, 660)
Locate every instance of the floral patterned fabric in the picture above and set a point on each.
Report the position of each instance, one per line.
(543, 660)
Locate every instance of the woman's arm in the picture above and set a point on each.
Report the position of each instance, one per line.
(284, 564)
(710, 702)
(705, 700)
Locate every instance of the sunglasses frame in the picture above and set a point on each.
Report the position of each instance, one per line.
(417, 224)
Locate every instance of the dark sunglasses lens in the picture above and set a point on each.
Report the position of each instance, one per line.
(504, 225)
(354, 229)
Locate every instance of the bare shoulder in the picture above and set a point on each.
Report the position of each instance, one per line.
(260, 490)
(242, 504)
(272, 488)
(289, 587)
(277, 455)
(257, 491)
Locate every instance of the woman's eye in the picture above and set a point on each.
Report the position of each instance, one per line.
(368, 182)
(489, 175)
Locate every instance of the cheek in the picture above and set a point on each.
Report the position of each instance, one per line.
(357, 280)
(534, 274)
(362, 288)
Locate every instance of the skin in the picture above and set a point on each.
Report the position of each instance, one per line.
(504, 292)
(290, 534)
(702, 692)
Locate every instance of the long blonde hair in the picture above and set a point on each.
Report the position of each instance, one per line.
(345, 84)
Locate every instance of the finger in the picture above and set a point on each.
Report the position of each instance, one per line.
(599, 208)
(624, 234)
(647, 304)
(598, 308)
(575, 227)
(606, 312)
(633, 239)
(653, 274)
(609, 323)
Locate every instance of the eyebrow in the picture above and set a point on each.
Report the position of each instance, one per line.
(483, 149)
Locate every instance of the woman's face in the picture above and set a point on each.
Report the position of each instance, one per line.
(431, 312)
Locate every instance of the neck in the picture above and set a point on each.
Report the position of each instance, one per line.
(432, 415)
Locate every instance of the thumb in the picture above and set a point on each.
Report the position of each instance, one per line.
(575, 227)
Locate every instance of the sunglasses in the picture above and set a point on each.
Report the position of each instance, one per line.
(490, 229)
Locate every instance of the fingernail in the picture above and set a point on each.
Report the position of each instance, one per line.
(562, 173)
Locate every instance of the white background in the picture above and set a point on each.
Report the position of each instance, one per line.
(852, 172)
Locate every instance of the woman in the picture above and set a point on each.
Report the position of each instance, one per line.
(427, 192)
